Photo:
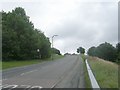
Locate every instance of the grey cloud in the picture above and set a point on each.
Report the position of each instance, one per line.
(77, 24)
(98, 24)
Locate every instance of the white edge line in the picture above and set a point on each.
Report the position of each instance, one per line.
(91, 76)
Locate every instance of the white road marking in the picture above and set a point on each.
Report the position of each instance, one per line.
(28, 72)
(10, 86)
(29, 87)
(4, 85)
(35, 87)
(93, 80)
(26, 86)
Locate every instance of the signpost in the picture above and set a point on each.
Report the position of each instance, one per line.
(39, 56)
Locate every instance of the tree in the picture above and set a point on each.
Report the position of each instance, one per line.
(81, 50)
(105, 51)
(20, 40)
(91, 51)
(118, 51)
(78, 50)
(56, 51)
(118, 47)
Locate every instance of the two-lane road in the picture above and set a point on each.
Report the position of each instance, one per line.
(66, 72)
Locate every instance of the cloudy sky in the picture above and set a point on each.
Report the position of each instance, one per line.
(77, 23)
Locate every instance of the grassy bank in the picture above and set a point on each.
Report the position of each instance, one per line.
(12, 64)
(106, 72)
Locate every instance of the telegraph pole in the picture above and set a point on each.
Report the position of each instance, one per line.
(52, 45)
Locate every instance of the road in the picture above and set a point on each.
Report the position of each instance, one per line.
(66, 72)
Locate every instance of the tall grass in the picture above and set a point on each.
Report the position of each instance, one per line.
(105, 72)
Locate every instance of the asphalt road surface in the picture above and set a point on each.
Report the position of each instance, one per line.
(66, 72)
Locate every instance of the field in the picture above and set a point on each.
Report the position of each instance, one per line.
(105, 72)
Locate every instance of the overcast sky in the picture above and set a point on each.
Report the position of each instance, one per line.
(77, 23)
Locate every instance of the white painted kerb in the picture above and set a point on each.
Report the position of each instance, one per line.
(91, 76)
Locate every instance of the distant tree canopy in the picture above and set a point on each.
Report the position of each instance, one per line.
(81, 50)
(56, 51)
(118, 51)
(92, 51)
(20, 40)
(105, 51)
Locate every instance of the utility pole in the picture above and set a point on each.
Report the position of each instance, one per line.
(52, 45)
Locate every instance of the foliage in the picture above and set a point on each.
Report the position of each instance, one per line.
(56, 51)
(105, 51)
(118, 52)
(20, 40)
(91, 51)
(81, 50)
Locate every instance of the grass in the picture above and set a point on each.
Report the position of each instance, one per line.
(0, 65)
(106, 72)
(86, 77)
(12, 64)
(55, 56)
(83, 57)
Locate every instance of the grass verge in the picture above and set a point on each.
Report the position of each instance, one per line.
(106, 72)
(12, 64)
(86, 77)
(55, 57)
(0, 65)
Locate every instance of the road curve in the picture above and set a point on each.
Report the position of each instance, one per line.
(66, 72)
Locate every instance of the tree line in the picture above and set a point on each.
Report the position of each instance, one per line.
(20, 40)
(105, 51)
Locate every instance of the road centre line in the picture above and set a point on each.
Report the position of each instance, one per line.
(28, 72)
